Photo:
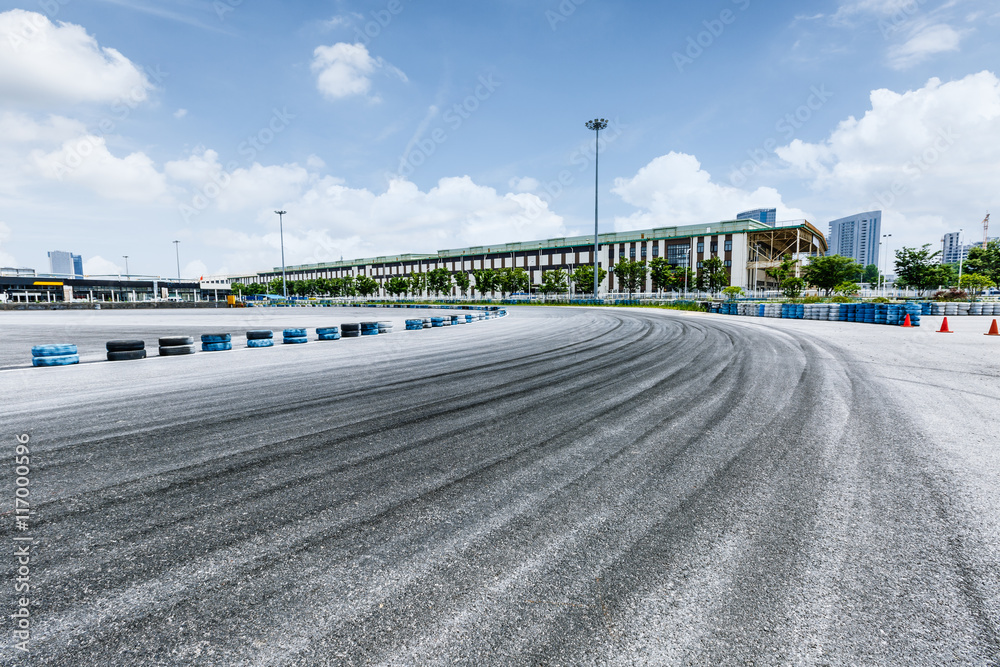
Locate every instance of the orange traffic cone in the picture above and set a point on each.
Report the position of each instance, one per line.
(993, 330)
(906, 322)
(944, 327)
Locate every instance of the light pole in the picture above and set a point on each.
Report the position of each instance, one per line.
(885, 262)
(281, 231)
(687, 270)
(177, 251)
(597, 125)
(961, 256)
(126, 266)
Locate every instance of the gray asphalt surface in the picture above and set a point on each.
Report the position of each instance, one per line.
(560, 487)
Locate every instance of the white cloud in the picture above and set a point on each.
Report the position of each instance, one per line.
(930, 158)
(87, 161)
(345, 70)
(525, 184)
(180, 113)
(44, 64)
(243, 189)
(674, 190)
(315, 162)
(927, 41)
(6, 259)
(98, 266)
(194, 270)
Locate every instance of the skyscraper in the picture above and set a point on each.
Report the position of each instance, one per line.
(857, 236)
(65, 264)
(766, 215)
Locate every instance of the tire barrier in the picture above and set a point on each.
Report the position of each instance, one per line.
(125, 350)
(173, 346)
(369, 328)
(892, 314)
(294, 336)
(328, 333)
(437, 322)
(385, 327)
(216, 347)
(427, 322)
(414, 325)
(351, 329)
(260, 342)
(59, 354)
(259, 334)
(219, 342)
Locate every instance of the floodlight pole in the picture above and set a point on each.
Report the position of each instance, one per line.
(281, 231)
(597, 125)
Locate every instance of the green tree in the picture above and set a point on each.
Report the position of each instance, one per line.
(917, 269)
(787, 268)
(583, 278)
(463, 282)
(418, 283)
(631, 274)
(870, 275)
(662, 274)
(714, 275)
(554, 282)
(366, 285)
(732, 292)
(985, 261)
(239, 289)
(792, 287)
(274, 286)
(847, 288)
(439, 280)
(976, 282)
(486, 281)
(349, 285)
(826, 273)
(512, 280)
(397, 285)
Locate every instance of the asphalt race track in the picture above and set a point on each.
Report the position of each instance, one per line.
(559, 487)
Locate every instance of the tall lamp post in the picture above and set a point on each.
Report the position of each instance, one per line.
(885, 262)
(961, 256)
(126, 266)
(177, 251)
(281, 231)
(597, 125)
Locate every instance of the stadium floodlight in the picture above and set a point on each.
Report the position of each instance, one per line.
(597, 125)
(281, 231)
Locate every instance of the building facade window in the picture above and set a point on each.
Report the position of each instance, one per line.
(700, 263)
(715, 247)
(729, 262)
(729, 246)
(701, 246)
(656, 250)
(631, 253)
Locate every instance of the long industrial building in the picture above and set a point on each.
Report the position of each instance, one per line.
(747, 247)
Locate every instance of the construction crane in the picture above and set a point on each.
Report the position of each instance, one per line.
(986, 229)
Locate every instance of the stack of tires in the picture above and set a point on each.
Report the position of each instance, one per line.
(54, 355)
(914, 310)
(173, 346)
(260, 338)
(427, 322)
(126, 350)
(414, 325)
(350, 329)
(385, 327)
(881, 313)
(328, 333)
(446, 321)
(838, 312)
(437, 322)
(468, 318)
(219, 342)
(369, 328)
(294, 336)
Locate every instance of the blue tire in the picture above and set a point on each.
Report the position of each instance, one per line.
(329, 336)
(321, 331)
(295, 340)
(59, 360)
(294, 333)
(216, 347)
(212, 339)
(260, 342)
(56, 350)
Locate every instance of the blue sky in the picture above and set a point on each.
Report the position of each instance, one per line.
(396, 126)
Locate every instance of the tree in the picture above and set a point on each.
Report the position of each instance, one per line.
(397, 285)
(792, 287)
(662, 274)
(732, 292)
(975, 282)
(554, 282)
(418, 283)
(275, 286)
(784, 270)
(439, 280)
(486, 281)
(826, 273)
(714, 275)
(870, 275)
(512, 280)
(239, 289)
(349, 286)
(366, 285)
(847, 288)
(631, 274)
(917, 269)
(583, 278)
(463, 282)
(985, 261)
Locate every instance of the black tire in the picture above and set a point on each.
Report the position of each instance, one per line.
(350, 326)
(125, 345)
(126, 355)
(352, 334)
(171, 341)
(176, 350)
(260, 334)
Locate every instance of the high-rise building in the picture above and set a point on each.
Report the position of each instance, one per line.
(952, 249)
(65, 263)
(857, 236)
(766, 215)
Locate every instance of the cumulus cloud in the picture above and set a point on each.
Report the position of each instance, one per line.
(673, 189)
(345, 70)
(86, 161)
(925, 43)
(98, 266)
(180, 113)
(928, 157)
(243, 189)
(46, 64)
